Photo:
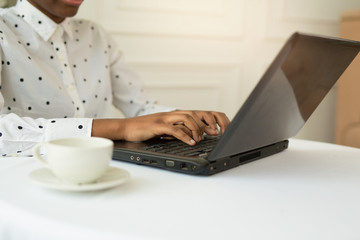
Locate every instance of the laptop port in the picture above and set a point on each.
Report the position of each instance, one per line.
(170, 163)
(153, 162)
(145, 161)
(250, 156)
(183, 166)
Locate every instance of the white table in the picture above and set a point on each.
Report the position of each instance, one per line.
(309, 191)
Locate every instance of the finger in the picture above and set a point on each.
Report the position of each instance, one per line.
(185, 130)
(178, 132)
(222, 120)
(210, 121)
(188, 120)
(201, 125)
(199, 122)
(211, 131)
(195, 116)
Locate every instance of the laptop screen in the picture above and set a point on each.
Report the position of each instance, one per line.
(293, 86)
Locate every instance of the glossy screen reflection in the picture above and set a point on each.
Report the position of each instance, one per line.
(297, 81)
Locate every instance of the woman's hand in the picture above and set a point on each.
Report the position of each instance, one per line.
(212, 120)
(187, 126)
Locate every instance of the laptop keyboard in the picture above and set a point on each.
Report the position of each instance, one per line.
(176, 147)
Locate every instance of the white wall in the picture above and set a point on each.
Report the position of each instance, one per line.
(209, 54)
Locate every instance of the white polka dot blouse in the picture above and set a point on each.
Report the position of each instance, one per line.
(56, 78)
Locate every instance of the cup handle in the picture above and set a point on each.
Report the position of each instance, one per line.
(38, 156)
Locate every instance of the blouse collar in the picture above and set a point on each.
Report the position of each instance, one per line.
(41, 23)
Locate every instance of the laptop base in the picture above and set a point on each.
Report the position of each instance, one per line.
(131, 152)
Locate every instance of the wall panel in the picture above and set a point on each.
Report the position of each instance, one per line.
(209, 54)
(199, 18)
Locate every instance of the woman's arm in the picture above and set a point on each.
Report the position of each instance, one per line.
(187, 126)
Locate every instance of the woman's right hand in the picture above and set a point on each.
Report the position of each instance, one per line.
(186, 126)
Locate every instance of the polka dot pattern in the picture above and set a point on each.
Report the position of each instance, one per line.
(70, 73)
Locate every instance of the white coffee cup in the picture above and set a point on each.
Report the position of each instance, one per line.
(77, 160)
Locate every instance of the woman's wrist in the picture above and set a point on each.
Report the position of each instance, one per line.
(109, 128)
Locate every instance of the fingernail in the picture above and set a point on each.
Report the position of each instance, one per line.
(192, 142)
(215, 131)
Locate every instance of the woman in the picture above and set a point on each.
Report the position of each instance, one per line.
(60, 75)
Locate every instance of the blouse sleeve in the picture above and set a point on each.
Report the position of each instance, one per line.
(18, 135)
(128, 91)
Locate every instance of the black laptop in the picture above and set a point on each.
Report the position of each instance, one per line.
(293, 86)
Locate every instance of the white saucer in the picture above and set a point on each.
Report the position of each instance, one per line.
(113, 177)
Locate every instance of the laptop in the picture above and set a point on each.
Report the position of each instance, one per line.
(292, 87)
